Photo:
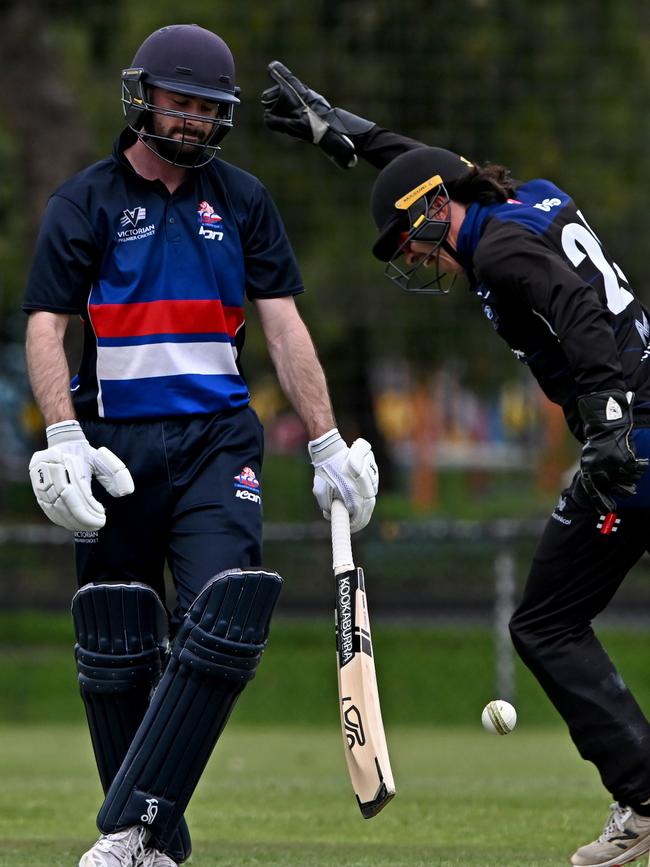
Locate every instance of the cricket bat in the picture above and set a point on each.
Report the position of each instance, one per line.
(364, 740)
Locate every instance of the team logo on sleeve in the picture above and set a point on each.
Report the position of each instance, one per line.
(247, 486)
(209, 222)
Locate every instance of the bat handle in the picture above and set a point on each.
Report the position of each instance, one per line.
(342, 559)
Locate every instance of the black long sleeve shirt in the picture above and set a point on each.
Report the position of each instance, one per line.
(550, 289)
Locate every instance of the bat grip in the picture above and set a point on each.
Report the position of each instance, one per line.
(341, 545)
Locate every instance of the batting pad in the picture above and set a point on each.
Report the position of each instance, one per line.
(216, 652)
(121, 632)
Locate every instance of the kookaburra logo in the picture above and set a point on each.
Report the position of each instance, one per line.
(353, 726)
(152, 811)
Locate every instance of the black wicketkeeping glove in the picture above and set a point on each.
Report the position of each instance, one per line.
(608, 464)
(293, 108)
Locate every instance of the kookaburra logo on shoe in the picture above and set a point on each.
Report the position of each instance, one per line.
(152, 811)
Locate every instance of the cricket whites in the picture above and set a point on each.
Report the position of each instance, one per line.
(366, 752)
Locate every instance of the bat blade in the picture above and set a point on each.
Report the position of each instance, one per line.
(366, 751)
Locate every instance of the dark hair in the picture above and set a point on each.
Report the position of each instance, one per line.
(487, 185)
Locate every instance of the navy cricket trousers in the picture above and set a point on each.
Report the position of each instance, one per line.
(197, 503)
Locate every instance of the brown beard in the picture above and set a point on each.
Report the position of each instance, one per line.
(175, 150)
(181, 153)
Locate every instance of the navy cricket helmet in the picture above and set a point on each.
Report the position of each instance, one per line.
(185, 59)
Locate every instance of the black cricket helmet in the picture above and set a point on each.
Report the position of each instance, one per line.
(409, 203)
(188, 60)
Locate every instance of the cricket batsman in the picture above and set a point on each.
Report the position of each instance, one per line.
(154, 454)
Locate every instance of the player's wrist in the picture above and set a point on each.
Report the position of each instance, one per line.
(604, 410)
(64, 431)
(349, 124)
(324, 447)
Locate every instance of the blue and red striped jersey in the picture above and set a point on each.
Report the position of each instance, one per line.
(160, 282)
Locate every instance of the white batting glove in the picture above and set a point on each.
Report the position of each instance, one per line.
(61, 475)
(349, 474)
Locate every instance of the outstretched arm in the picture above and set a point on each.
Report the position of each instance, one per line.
(291, 107)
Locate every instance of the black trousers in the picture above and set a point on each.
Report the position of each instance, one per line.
(575, 572)
(197, 503)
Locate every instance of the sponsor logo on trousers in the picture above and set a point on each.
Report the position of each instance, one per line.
(248, 495)
(86, 537)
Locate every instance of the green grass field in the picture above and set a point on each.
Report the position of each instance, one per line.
(276, 790)
(280, 796)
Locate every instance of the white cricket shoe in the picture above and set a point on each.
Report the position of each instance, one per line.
(154, 858)
(120, 849)
(626, 836)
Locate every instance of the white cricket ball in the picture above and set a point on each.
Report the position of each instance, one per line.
(499, 717)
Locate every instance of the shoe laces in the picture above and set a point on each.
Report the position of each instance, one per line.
(616, 822)
(146, 858)
(120, 843)
(152, 858)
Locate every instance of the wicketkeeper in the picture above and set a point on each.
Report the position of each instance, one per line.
(155, 455)
(550, 289)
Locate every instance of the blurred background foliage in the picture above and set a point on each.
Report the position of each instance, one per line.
(550, 89)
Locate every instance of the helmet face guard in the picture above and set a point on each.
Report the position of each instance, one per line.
(428, 226)
(182, 151)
